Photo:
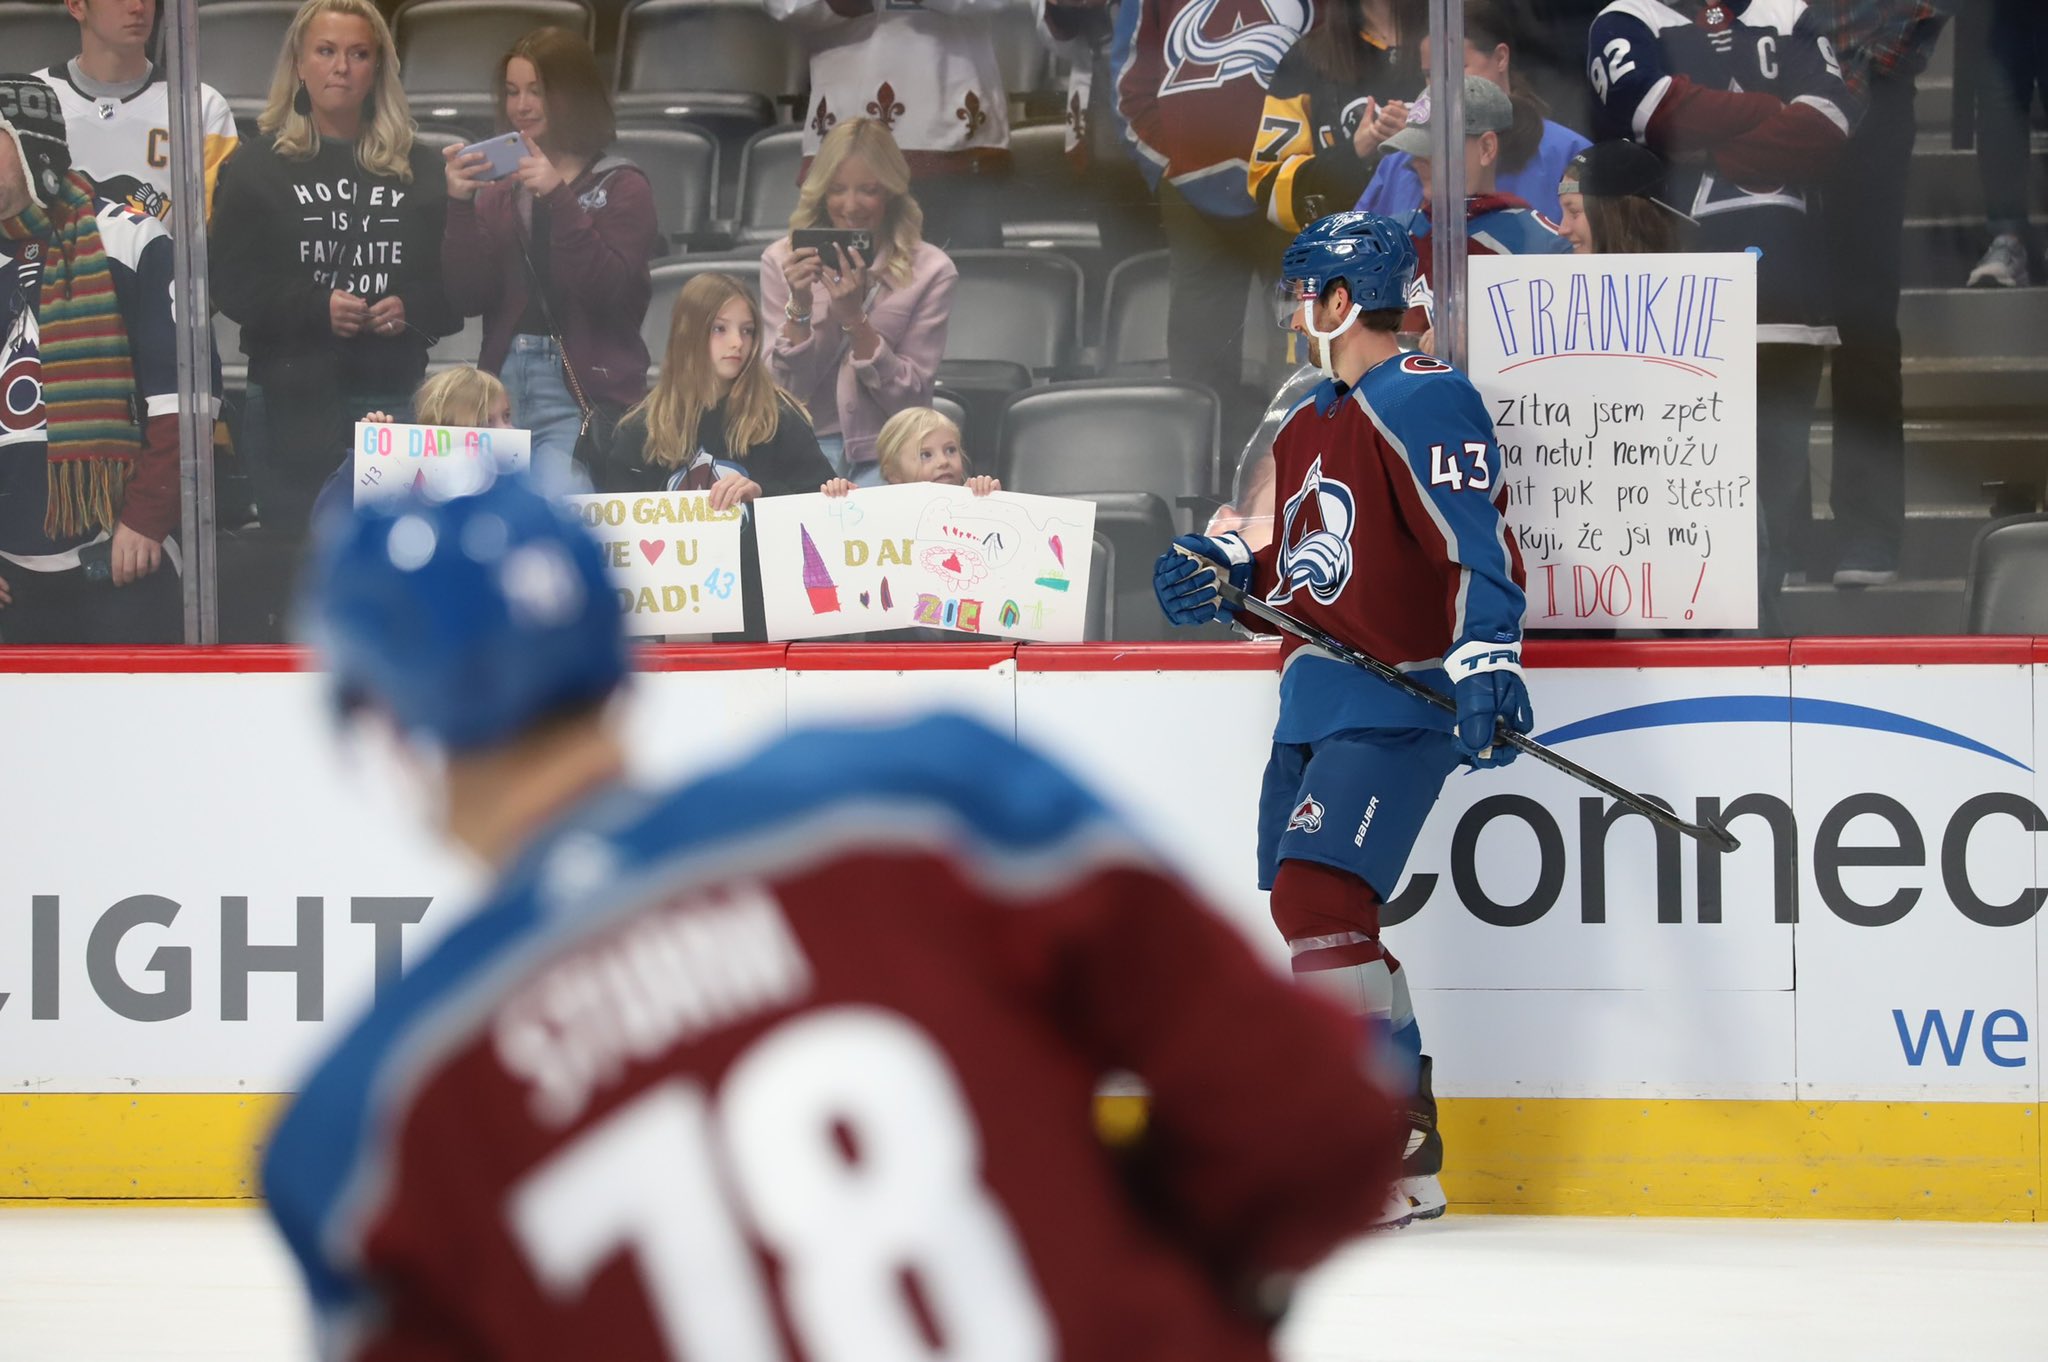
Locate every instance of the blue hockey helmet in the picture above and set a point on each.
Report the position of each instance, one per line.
(467, 619)
(1371, 255)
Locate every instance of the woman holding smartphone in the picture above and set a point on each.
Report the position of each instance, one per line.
(551, 247)
(329, 225)
(859, 333)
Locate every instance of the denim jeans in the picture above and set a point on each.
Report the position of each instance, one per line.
(543, 406)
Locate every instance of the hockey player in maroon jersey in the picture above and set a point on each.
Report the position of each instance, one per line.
(1389, 537)
(795, 1063)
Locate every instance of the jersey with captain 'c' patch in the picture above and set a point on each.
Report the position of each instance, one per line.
(124, 144)
(832, 1018)
(1389, 535)
(1746, 103)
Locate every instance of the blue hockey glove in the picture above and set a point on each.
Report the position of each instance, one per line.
(1186, 587)
(1486, 678)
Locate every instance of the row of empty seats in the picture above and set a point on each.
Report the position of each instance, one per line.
(1016, 319)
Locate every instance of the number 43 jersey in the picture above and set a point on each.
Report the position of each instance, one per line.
(798, 1062)
(1388, 534)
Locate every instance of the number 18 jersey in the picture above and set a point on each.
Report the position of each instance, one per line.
(798, 1063)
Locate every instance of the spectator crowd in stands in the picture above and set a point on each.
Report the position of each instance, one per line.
(354, 231)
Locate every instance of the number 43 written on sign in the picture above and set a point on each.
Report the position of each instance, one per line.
(1444, 469)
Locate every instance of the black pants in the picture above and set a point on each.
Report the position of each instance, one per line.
(2018, 65)
(1209, 275)
(63, 607)
(1787, 383)
(1863, 219)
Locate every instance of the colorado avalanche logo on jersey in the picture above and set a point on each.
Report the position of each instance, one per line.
(21, 359)
(1315, 540)
(1213, 42)
(1307, 817)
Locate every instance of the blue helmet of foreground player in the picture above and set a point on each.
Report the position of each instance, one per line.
(1371, 255)
(466, 620)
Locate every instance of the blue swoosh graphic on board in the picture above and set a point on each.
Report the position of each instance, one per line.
(1767, 709)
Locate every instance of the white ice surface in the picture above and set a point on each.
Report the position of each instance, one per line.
(116, 1285)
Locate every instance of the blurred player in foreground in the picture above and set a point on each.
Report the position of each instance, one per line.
(794, 1062)
(1391, 539)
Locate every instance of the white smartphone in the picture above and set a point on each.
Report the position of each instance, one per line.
(504, 152)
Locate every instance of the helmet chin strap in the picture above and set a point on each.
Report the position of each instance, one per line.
(1325, 360)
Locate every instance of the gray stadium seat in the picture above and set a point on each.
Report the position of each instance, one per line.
(461, 348)
(453, 46)
(39, 34)
(953, 409)
(1137, 526)
(227, 343)
(768, 183)
(1108, 435)
(1022, 307)
(1098, 623)
(439, 136)
(1134, 318)
(2007, 591)
(729, 45)
(669, 278)
(238, 45)
(682, 165)
(1047, 205)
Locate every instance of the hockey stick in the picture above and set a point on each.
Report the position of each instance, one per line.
(1709, 831)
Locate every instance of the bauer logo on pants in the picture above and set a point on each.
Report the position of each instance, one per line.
(1308, 816)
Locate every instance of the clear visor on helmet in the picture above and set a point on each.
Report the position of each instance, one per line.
(1289, 295)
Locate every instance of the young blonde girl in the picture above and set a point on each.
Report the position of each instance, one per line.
(921, 444)
(716, 420)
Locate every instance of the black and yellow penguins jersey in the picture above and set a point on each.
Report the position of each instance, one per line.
(1303, 164)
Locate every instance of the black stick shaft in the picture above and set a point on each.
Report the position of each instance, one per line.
(1712, 835)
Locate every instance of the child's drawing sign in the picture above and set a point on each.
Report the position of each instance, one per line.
(925, 555)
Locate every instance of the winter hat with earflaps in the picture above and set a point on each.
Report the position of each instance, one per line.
(30, 113)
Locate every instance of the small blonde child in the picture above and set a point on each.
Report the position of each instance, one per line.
(462, 396)
(920, 444)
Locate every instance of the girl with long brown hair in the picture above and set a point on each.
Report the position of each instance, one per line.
(716, 419)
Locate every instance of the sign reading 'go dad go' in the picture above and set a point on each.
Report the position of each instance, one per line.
(438, 461)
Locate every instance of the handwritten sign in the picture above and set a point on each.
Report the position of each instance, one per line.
(674, 560)
(442, 461)
(925, 555)
(1623, 392)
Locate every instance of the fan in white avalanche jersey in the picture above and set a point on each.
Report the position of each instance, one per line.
(117, 108)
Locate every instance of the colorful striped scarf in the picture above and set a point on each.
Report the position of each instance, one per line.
(88, 376)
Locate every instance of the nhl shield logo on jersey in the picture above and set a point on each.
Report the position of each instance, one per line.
(1315, 540)
(1213, 42)
(1308, 816)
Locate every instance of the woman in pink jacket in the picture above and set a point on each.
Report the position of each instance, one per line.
(859, 339)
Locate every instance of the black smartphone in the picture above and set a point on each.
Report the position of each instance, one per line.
(98, 561)
(824, 239)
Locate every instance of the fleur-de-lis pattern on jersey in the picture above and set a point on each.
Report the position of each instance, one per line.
(822, 121)
(1077, 117)
(885, 106)
(972, 114)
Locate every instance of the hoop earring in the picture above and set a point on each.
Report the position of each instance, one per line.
(302, 102)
